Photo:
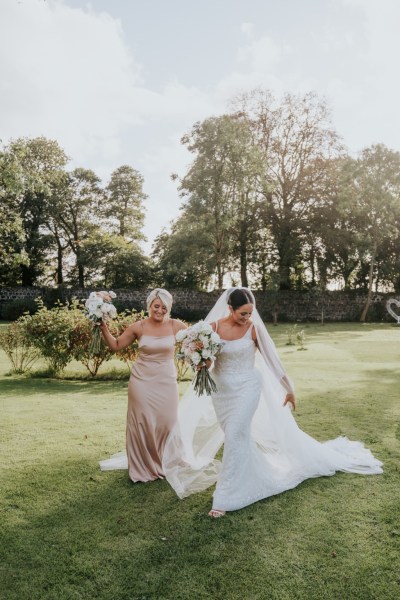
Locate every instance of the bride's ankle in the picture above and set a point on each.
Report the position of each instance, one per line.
(215, 512)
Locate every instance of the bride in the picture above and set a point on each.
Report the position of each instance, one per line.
(265, 452)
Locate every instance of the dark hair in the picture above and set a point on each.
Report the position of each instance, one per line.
(239, 297)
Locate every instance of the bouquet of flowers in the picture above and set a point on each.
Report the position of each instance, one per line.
(196, 345)
(99, 307)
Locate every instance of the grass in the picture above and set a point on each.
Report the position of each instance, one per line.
(71, 532)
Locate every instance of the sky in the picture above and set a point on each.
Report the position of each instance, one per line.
(120, 81)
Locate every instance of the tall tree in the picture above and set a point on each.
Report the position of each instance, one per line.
(182, 257)
(221, 188)
(297, 141)
(114, 262)
(12, 253)
(378, 183)
(76, 211)
(124, 206)
(39, 166)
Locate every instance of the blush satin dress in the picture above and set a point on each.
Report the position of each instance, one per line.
(152, 406)
(152, 409)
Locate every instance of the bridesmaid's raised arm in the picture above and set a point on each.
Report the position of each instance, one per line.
(125, 339)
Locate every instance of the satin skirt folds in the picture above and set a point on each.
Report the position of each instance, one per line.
(152, 413)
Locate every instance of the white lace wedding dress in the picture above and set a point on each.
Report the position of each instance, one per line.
(265, 452)
(251, 472)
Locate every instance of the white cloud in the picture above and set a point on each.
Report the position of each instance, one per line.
(71, 74)
(67, 74)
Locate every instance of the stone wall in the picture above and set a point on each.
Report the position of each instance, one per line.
(282, 305)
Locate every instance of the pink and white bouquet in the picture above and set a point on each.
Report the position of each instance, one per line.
(99, 307)
(196, 345)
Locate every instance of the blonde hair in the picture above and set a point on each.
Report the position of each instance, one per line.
(162, 295)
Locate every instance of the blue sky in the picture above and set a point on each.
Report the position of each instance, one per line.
(120, 81)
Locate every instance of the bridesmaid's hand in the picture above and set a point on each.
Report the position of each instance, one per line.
(290, 399)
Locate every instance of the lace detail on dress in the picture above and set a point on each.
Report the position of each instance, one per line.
(236, 356)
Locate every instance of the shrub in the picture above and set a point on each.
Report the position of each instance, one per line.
(82, 332)
(118, 326)
(50, 331)
(18, 347)
(80, 336)
(14, 309)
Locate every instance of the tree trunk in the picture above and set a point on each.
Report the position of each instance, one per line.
(284, 275)
(81, 271)
(369, 295)
(27, 276)
(220, 276)
(243, 256)
(60, 277)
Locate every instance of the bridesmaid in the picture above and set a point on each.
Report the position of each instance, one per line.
(152, 389)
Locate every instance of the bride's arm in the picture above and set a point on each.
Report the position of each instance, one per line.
(284, 381)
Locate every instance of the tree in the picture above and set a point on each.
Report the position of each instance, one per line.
(76, 213)
(182, 257)
(124, 204)
(298, 142)
(378, 184)
(113, 262)
(36, 167)
(12, 253)
(221, 188)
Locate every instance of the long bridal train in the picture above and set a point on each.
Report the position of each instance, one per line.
(265, 451)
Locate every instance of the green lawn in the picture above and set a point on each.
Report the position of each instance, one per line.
(72, 532)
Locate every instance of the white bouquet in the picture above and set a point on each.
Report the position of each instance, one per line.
(99, 307)
(196, 345)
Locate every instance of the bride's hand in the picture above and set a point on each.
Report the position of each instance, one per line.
(290, 399)
(207, 364)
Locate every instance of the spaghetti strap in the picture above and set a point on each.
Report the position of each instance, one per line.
(172, 325)
(248, 332)
(216, 326)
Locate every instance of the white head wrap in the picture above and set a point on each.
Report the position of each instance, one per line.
(162, 295)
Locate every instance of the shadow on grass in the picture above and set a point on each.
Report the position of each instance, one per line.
(30, 386)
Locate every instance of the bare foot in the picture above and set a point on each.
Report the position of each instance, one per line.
(214, 512)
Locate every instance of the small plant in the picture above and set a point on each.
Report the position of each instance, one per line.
(18, 347)
(301, 340)
(291, 334)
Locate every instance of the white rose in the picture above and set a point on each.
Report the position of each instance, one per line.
(197, 327)
(98, 313)
(106, 308)
(215, 337)
(92, 296)
(206, 328)
(195, 358)
(204, 340)
(92, 306)
(112, 294)
(180, 336)
(113, 311)
(206, 353)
